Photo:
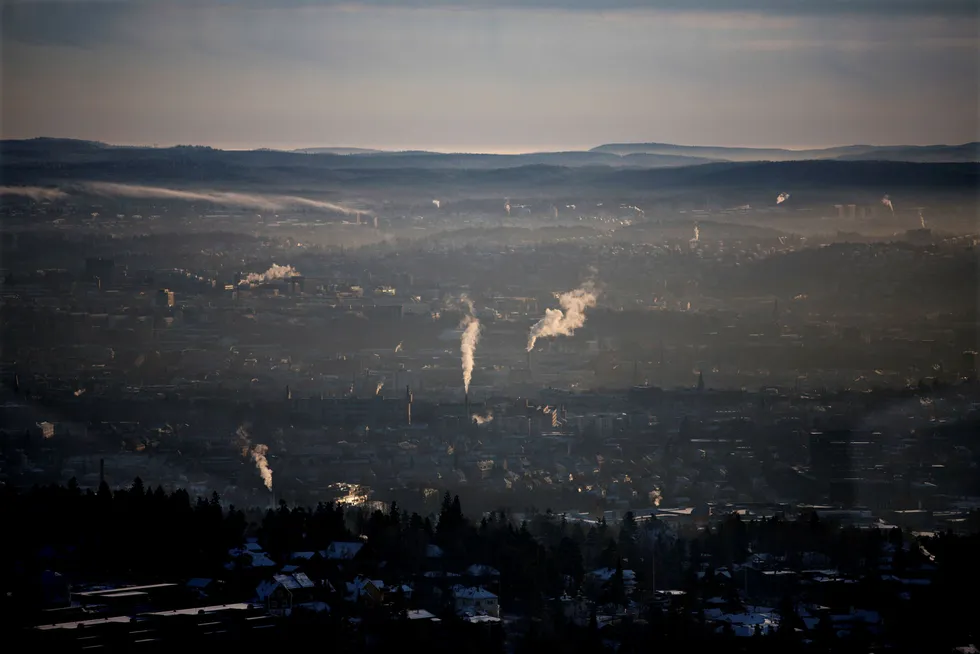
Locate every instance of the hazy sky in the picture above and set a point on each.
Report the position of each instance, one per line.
(479, 75)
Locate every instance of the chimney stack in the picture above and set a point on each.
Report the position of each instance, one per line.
(101, 471)
(408, 403)
(466, 400)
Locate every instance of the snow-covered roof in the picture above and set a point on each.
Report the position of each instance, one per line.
(287, 582)
(420, 614)
(744, 624)
(261, 560)
(342, 550)
(480, 570)
(472, 592)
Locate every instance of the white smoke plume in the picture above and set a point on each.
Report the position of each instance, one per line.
(258, 454)
(262, 464)
(225, 198)
(888, 203)
(438, 204)
(564, 323)
(482, 420)
(274, 272)
(507, 206)
(922, 220)
(697, 234)
(467, 345)
(782, 198)
(35, 193)
(398, 348)
(377, 391)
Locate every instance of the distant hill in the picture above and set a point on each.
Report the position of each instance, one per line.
(65, 150)
(342, 151)
(968, 152)
(59, 162)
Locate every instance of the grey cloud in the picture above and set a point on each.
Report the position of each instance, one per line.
(84, 23)
(777, 7)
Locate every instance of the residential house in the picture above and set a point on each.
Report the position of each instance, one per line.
(365, 591)
(475, 600)
(284, 592)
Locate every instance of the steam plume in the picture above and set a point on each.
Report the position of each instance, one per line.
(782, 198)
(35, 193)
(467, 346)
(564, 323)
(262, 464)
(888, 203)
(697, 234)
(377, 391)
(226, 198)
(482, 420)
(274, 272)
(437, 203)
(398, 348)
(258, 454)
(922, 220)
(507, 206)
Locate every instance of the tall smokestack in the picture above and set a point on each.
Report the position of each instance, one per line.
(466, 401)
(529, 360)
(101, 471)
(408, 403)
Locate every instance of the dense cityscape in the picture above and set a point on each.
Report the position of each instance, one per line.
(607, 392)
(495, 327)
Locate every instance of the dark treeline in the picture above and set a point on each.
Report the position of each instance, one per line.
(144, 535)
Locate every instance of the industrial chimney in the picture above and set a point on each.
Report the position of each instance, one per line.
(408, 403)
(101, 471)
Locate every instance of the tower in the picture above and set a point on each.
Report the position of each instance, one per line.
(408, 403)
(700, 380)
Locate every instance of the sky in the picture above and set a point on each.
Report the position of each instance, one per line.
(491, 76)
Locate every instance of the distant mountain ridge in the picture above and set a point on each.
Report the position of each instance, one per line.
(967, 152)
(615, 155)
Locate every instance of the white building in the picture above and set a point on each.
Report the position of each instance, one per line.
(475, 600)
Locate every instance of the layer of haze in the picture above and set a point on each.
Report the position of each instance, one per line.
(515, 77)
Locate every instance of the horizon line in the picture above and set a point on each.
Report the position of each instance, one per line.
(499, 151)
